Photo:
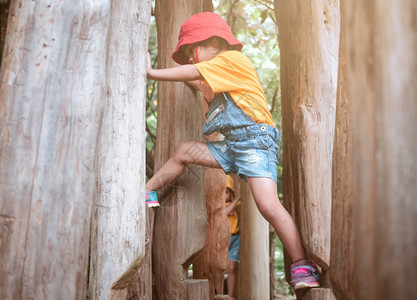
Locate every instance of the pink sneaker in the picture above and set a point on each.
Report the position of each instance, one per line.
(152, 199)
(304, 275)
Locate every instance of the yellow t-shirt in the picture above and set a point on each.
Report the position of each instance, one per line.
(234, 218)
(232, 71)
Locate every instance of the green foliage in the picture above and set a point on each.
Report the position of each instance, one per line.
(282, 287)
(151, 90)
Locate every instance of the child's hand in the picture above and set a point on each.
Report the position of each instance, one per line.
(206, 91)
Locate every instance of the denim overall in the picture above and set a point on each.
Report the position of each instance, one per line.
(249, 149)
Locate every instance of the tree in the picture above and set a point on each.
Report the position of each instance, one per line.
(118, 218)
(381, 70)
(51, 95)
(341, 256)
(182, 219)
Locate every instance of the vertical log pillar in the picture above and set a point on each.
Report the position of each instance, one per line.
(309, 50)
(254, 246)
(51, 96)
(118, 235)
(181, 221)
(212, 261)
(382, 70)
(341, 259)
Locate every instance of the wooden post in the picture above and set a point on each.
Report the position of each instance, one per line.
(309, 46)
(381, 42)
(341, 259)
(196, 289)
(118, 235)
(212, 261)
(51, 96)
(181, 222)
(254, 249)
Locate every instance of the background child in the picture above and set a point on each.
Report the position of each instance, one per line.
(208, 51)
(233, 216)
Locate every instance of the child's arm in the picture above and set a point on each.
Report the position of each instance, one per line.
(181, 73)
(231, 207)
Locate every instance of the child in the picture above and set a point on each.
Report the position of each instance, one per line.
(233, 212)
(208, 51)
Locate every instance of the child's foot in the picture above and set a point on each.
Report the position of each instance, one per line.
(304, 275)
(152, 199)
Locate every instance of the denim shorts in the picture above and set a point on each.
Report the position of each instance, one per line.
(250, 151)
(234, 247)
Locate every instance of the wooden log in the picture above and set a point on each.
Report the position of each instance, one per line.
(254, 246)
(118, 235)
(341, 257)
(180, 226)
(309, 43)
(196, 289)
(381, 44)
(212, 260)
(51, 91)
(142, 286)
(316, 294)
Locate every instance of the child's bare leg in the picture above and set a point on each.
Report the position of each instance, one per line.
(264, 191)
(186, 153)
(231, 277)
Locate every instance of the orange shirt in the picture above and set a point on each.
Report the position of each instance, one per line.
(232, 71)
(234, 218)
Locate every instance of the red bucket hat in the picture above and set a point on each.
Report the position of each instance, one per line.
(200, 27)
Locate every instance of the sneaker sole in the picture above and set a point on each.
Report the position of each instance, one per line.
(156, 204)
(305, 285)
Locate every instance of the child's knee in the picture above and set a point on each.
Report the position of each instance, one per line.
(268, 210)
(183, 152)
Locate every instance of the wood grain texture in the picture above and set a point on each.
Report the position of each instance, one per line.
(341, 257)
(254, 249)
(51, 91)
(381, 66)
(118, 222)
(309, 49)
(180, 227)
(213, 259)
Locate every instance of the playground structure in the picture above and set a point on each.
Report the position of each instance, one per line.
(72, 160)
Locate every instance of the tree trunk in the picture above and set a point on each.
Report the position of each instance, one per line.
(181, 222)
(212, 261)
(341, 260)
(309, 43)
(50, 111)
(254, 250)
(381, 41)
(118, 235)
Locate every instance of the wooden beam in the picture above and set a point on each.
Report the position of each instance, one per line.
(254, 249)
(212, 261)
(180, 228)
(342, 263)
(381, 40)
(196, 289)
(118, 235)
(309, 50)
(51, 104)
